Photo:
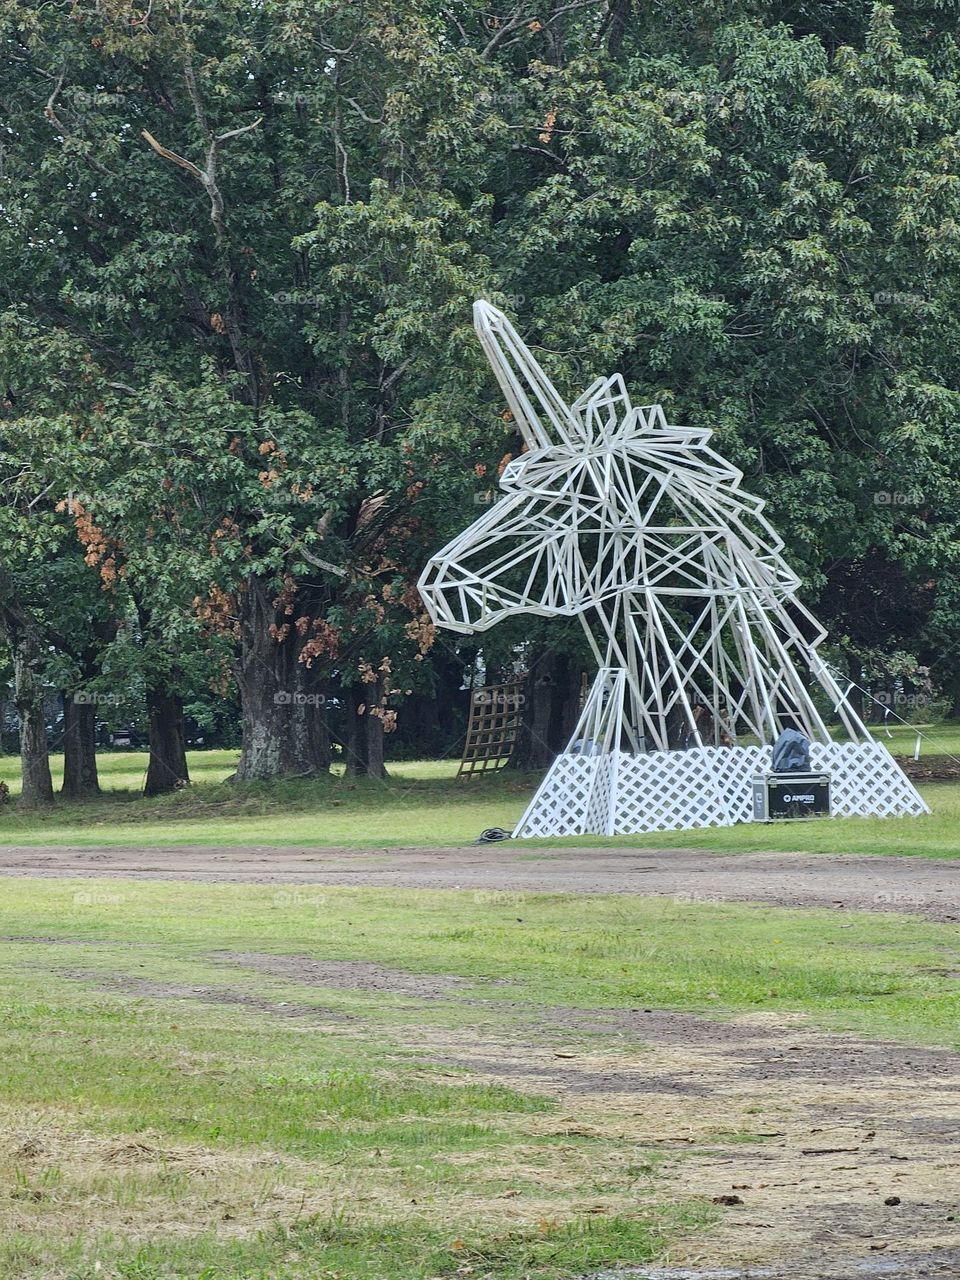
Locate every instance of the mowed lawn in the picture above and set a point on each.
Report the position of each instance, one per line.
(422, 803)
(178, 1103)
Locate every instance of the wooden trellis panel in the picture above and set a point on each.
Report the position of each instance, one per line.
(495, 714)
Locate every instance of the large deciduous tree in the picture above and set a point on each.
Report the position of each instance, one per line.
(240, 246)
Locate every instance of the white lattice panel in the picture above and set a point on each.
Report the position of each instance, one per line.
(604, 797)
(668, 791)
(865, 780)
(622, 794)
(563, 798)
(734, 769)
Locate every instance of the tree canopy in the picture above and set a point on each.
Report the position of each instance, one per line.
(243, 399)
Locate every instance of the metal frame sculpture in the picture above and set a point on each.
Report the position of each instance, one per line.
(608, 515)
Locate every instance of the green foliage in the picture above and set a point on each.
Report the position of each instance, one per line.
(240, 246)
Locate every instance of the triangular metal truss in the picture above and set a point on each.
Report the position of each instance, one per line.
(642, 531)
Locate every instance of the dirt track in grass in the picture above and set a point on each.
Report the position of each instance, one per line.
(914, 885)
(830, 1157)
(827, 1156)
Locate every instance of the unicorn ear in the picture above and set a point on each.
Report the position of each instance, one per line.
(542, 417)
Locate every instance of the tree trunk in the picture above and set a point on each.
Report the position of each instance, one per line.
(80, 779)
(549, 711)
(355, 753)
(285, 730)
(374, 728)
(20, 631)
(37, 789)
(311, 728)
(167, 769)
(566, 705)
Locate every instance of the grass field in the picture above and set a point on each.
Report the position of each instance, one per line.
(175, 1105)
(422, 803)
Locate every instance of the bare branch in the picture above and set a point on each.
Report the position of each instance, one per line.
(388, 382)
(501, 33)
(568, 8)
(343, 172)
(235, 133)
(172, 156)
(207, 177)
(362, 114)
(50, 113)
(539, 151)
(316, 560)
(190, 77)
(48, 110)
(519, 19)
(458, 24)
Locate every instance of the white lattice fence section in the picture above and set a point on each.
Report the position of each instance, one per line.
(563, 797)
(668, 791)
(865, 780)
(734, 769)
(605, 795)
(622, 794)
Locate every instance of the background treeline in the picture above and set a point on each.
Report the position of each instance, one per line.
(242, 399)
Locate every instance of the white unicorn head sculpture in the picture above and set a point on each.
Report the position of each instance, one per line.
(642, 532)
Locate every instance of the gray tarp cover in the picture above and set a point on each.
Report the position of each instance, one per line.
(791, 752)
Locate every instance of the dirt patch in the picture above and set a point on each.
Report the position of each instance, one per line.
(918, 886)
(356, 975)
(145, 989)
(42, 940)
(572, 1080)
(756, 1044)
(931, 769)
(764, 1047)
(905, 1267)
(830, 1158)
